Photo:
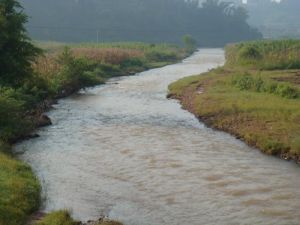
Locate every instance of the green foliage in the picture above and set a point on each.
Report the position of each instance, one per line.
(19, 191)
(272, 147)
(268, 55)
(296, 145)
(63, 217)
(12, 122)
(161, 56)
(16, 50)
(190, 43)
(58, 218)
(249, 53)
(249, 82)
(134, 62)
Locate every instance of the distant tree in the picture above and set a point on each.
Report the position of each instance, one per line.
(16, 50)
(211, 23)
(189, 42)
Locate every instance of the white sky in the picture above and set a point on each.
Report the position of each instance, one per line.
(245, 1)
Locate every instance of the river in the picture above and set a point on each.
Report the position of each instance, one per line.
(125, 151)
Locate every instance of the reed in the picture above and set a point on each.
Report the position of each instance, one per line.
(267, 54)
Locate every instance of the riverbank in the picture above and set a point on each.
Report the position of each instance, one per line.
(63, 217)
(58, 73)
(254, 97)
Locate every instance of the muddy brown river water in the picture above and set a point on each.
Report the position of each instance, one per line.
(125, 151)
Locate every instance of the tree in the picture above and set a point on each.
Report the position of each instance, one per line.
(189, 42)
(16, 50)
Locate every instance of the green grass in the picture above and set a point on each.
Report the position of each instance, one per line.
(260, 106)
(266, 55)
(19, 191)
(63, 217)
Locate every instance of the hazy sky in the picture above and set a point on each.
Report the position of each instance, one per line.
(245, 1)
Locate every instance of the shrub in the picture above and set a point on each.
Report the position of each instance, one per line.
(158, 56)
(12, 123)
(249, 52)
(257, 84)
(134, 62)
(244, 82)
(284, 90)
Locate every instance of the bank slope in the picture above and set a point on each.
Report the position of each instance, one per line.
(255, 96)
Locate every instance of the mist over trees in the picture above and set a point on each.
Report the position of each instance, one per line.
(213, 23)
(275, 20)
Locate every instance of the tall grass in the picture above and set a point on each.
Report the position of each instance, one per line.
(268, 54)
(19, 191)
(107, 55)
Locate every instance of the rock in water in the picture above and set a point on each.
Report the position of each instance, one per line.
(44, 120)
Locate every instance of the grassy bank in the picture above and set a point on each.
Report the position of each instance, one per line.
(63, 218)
(255, 96)
(19, 191)
(60, 71)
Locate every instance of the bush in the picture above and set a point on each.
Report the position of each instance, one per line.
(134, 62)
(244, 82)
(257, 84)
(249, 53)
(286, 91)
(158, 56)
(12, 122)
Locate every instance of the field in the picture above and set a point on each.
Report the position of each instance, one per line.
(255, 98)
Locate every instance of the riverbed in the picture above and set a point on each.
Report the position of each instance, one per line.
(125, 151)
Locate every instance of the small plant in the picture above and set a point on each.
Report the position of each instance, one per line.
(249, 53)
(272, 147)
(244, 82)
(286, 91)
(249, 82)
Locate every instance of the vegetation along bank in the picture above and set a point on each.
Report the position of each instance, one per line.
(254, 96)
(32, 77)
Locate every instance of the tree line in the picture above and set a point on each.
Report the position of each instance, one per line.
(211, 23)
